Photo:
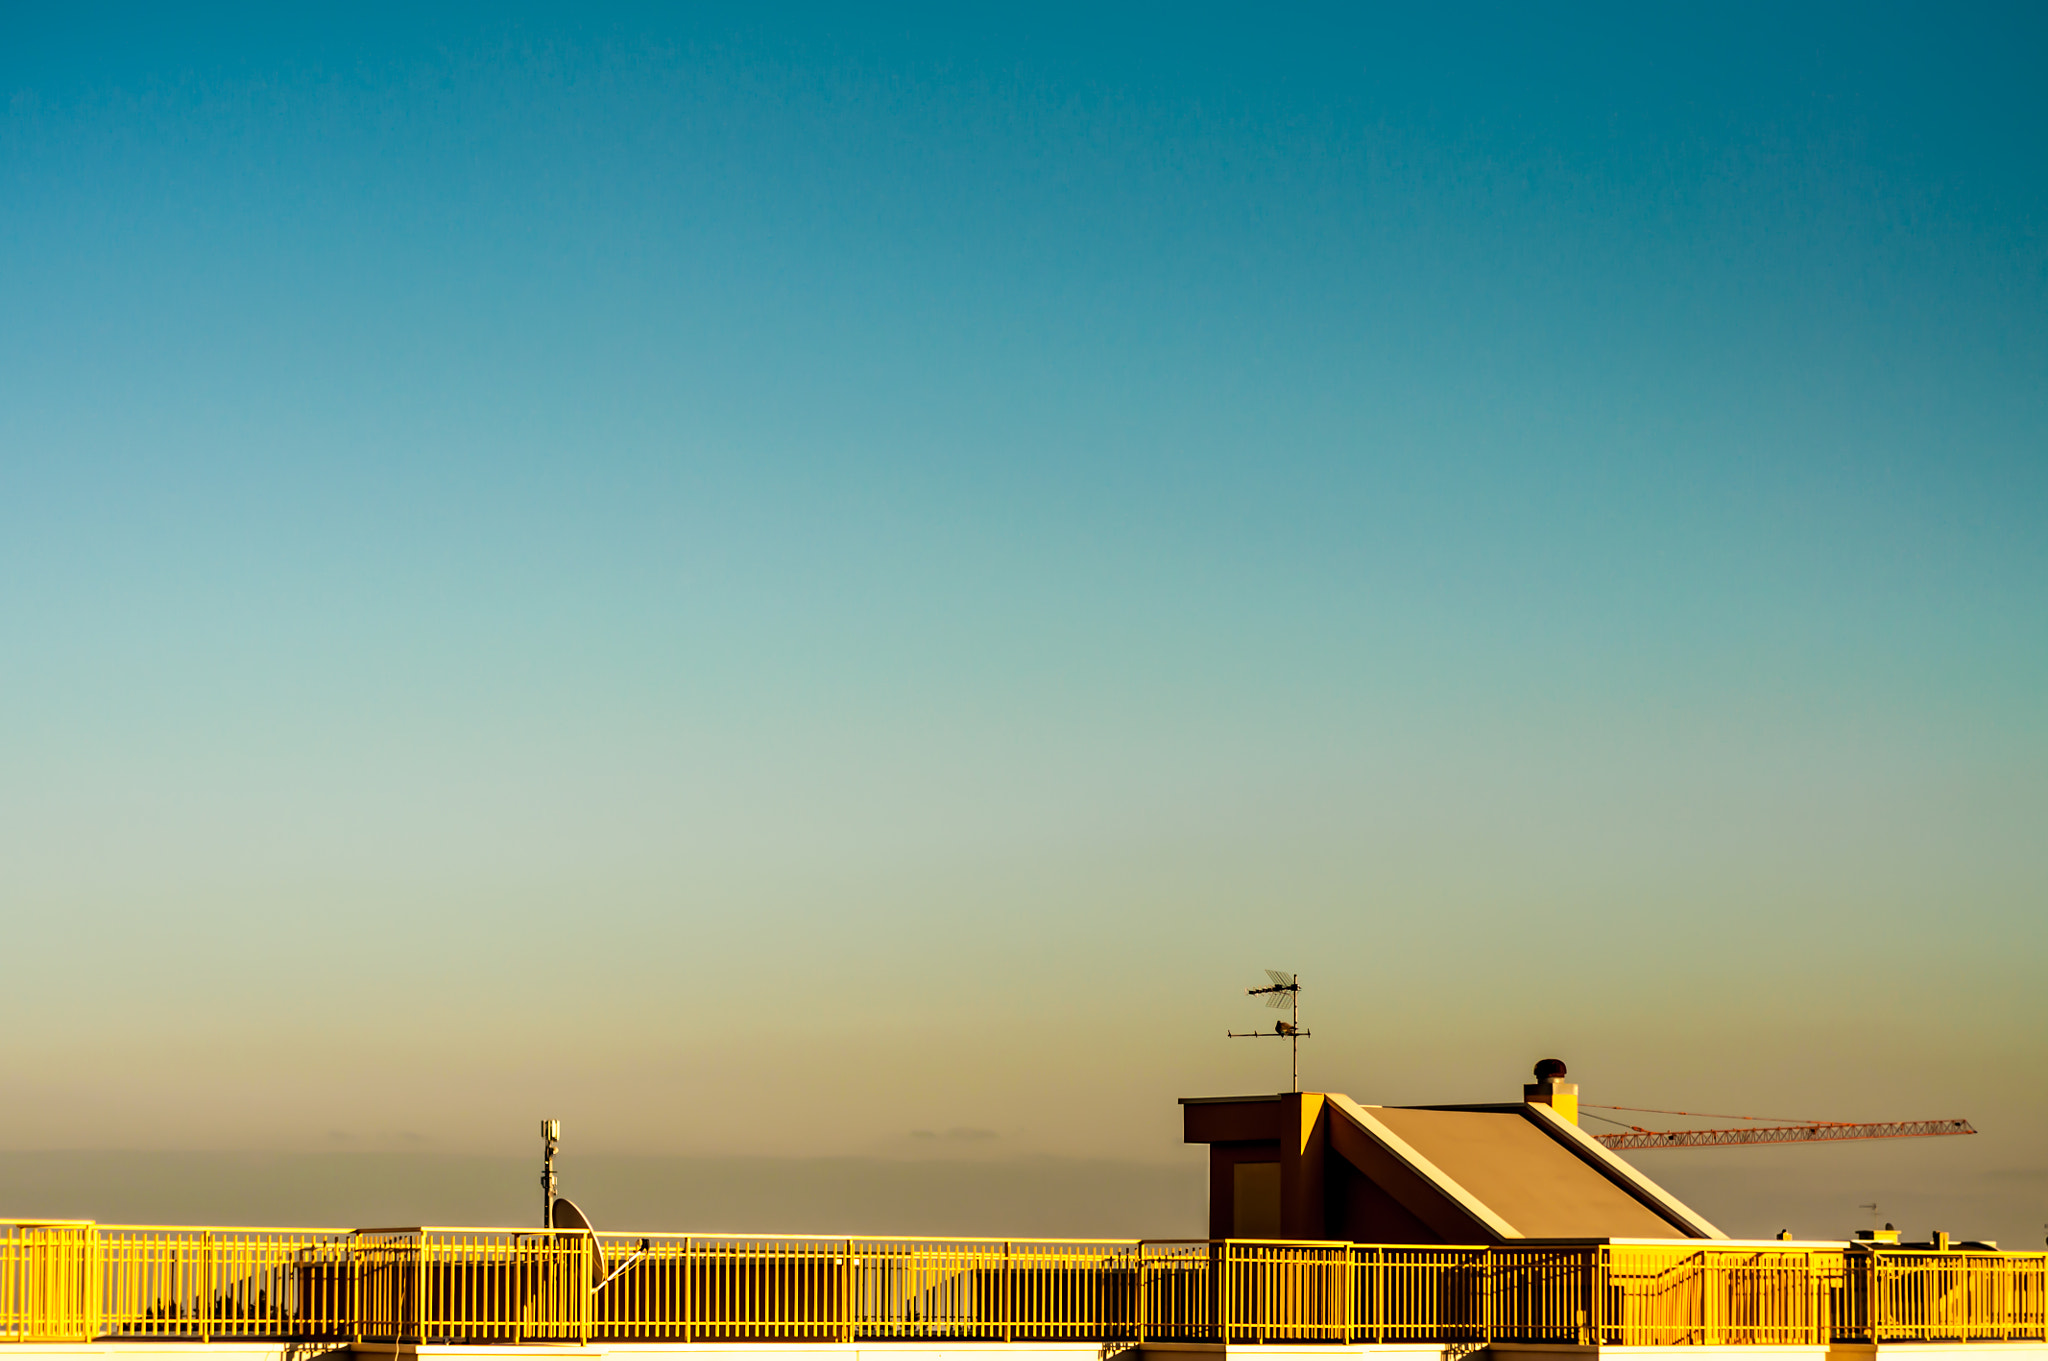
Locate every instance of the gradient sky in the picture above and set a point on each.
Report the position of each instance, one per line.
(765, 581)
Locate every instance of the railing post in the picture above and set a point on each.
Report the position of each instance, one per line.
(1009, 1298)
(846, 1295)
(1223, 1297)
(352, 1276)
(1380, 1292)
(205, 1274)
(1486, 1295)
(2040, 1329)
(586, 1294)
(1708, 1323)
(1350, 1295)
(1586, 1296)
(95, 1282)
(1596, 1307)
(688, 1291)
(1139, 1314)
(1818, 1330)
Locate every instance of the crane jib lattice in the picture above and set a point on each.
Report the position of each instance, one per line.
(1784, 1134)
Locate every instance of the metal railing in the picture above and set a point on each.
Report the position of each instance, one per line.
(76, 1281)
(49, 1281)
(1921, 1296)
(79, 1281)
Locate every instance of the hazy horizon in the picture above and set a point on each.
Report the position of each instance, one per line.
(1747, 1193)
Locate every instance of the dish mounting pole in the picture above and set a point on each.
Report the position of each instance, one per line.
(551, 1140)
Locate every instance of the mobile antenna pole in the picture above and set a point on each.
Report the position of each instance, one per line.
(551, 1139)
(1284, 991)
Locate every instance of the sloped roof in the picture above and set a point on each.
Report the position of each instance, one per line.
(1541, 1188)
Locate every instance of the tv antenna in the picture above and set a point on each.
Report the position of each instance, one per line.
(1284, 991)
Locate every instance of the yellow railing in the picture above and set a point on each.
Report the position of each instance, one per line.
(78, 1281)
(49, 1281)
(1955, 1296)
(703, 1288)
(210, 1283)
(1650, 1297)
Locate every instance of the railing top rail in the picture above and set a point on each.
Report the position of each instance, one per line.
(1676, 1246)
(222, 1228)
(1255, 1242)
(992, 1240)
(1952, 1253)
(1687, 1244)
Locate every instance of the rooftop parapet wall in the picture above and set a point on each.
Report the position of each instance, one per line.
(80, 1282)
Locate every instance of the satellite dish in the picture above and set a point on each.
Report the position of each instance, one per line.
(568, 1216)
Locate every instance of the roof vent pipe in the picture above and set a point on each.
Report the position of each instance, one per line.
(1550, 1089)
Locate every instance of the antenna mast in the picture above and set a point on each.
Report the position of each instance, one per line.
(551, 1139)
(1284, 991)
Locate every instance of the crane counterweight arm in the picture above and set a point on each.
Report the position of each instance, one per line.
(1784, 1134)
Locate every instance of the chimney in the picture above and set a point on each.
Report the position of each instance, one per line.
(1550, 1089)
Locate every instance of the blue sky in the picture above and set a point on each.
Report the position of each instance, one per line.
(903, 557)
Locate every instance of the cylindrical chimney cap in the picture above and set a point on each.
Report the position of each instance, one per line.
(1549, 1070)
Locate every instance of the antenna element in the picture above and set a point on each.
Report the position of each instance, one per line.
(1284, 991)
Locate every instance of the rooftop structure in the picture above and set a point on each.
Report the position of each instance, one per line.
(1319, 1165)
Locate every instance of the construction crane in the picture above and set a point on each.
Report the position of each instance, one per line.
(1789, 1131)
